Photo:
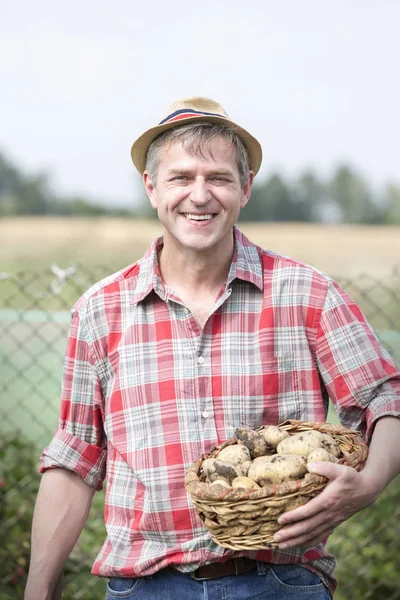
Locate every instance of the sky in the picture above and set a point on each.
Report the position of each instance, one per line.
(316, 81)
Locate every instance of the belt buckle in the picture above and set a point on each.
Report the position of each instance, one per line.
(196, 578)
(234, 562)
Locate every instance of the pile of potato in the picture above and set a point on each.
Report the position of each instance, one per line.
(268, 457)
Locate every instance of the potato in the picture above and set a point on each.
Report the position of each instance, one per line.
(245, 466)
(321, 455)
(236, 455)
(260, 459)
(245, 483)
(277, 469)
(331, 445)
(222, 483)
(301, 443)
(219, 469)
(273, 436)
(252, 440)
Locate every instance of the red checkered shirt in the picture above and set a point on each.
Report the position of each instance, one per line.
(146, 391)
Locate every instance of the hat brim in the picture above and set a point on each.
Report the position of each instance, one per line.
(141, 145)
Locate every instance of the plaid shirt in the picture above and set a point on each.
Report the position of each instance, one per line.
(146, 391)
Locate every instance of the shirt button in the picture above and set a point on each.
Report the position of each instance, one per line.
(204, 414)
(200, 360)
(186, 311)
(230, 291)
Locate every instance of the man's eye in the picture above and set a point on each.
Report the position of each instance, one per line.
(180, 178)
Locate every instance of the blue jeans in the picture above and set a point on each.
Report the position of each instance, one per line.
(269, 582)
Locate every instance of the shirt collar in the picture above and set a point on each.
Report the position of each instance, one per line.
(246, 261)
(246, 265)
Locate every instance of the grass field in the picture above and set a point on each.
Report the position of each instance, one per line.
(346, 251)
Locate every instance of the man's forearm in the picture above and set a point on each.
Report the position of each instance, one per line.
(61, 510)
(383, 463)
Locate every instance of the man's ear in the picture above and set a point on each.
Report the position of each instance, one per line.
(246, 191)
(150, 189)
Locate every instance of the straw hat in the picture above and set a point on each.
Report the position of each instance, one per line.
(194, 110)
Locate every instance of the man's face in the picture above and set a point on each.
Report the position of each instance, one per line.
(198, 199)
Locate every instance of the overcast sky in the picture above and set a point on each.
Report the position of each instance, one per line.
(316, 81)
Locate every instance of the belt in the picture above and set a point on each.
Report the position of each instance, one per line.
(233, 566)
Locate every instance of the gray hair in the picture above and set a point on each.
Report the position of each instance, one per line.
(194, 137)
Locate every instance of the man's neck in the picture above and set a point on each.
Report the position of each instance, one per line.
(194, 271)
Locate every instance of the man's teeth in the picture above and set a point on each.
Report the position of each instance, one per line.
(198, 217)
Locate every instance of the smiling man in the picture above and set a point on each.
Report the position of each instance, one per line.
(165, 359)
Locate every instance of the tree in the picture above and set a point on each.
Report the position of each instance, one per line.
(349, 192)
(33, 196)
(310, 197)
(391, 201)
(271, 201)
(22, 194)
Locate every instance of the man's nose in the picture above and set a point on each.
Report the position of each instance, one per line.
(200, 193)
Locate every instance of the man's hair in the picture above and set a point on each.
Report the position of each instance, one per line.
(196, 139)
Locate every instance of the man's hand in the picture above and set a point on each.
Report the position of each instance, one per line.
(347, 492)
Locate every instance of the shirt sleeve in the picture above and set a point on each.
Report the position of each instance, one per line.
(361, 378)
(79, 441)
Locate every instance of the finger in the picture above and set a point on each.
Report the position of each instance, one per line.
(327, 469)
(307, 540)
(310, 509)
(303, 527)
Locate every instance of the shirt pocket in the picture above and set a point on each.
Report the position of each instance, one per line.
(269, 392)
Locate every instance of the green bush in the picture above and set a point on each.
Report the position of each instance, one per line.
(367, 548)
(19, 484)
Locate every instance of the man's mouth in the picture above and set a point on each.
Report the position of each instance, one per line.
(193, 217)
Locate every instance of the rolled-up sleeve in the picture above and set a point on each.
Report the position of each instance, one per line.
(79, 442)
(361, 378)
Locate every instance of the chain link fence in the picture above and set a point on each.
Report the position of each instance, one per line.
(34, 321)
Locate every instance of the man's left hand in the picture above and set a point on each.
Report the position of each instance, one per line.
(347, 492)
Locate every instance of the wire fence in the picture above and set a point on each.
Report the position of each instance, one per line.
(34, 321)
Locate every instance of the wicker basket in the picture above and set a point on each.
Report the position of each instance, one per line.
(247, 520)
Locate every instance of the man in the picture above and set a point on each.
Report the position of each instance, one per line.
(168, 356)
